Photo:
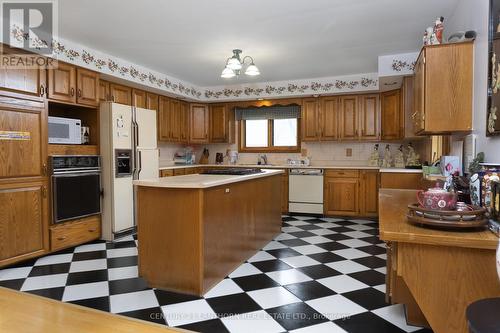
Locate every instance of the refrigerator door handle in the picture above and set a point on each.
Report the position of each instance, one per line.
(139, 159)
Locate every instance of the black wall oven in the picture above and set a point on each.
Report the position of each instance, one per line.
(76, 187)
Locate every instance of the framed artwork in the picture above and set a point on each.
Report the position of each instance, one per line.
(493, 117)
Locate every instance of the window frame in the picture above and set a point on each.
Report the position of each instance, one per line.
(242, 148)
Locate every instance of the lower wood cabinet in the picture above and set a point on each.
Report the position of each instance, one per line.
(351, 192)
(75, 232)
(23, 221)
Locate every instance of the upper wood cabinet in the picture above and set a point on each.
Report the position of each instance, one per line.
(369, 117)
(62, 83)
(87, 83)
(104, 93)
(392, 115)
(184, 121)
(151, 101)
(368, 194)
(120, 94)
(23, 221)
(443, 89)
(349, 124)
(139, 98)
(219, 125)
(310, 119)
(164, 119)
(175, 120)
(26, 81)
(407, 106)
(198, 123)
(329, 117)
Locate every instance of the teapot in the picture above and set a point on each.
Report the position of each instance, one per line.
(437, 198)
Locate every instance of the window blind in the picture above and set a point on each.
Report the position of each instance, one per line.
(268, 112)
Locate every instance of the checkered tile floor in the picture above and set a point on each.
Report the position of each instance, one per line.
(318, 275)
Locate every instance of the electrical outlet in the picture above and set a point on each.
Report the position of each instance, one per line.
(348, 152)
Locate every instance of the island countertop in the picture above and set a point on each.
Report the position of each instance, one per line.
(203, 181)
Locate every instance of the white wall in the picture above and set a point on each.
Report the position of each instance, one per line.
(473, 15)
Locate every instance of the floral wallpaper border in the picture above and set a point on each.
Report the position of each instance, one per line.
(400, 65)
(106, 64)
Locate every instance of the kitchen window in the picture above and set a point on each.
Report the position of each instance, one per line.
(269, 129)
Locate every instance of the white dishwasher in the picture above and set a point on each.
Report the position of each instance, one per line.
(305, 191)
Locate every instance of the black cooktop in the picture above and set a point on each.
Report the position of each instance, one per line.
(232, 171)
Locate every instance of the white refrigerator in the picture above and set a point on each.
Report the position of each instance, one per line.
(129, 151)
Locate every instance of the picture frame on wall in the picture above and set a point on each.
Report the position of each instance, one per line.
(493, 111)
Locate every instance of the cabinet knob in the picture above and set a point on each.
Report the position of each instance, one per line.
(61, 238)
(79, 93)
(92, 230)
(42, 90)
(72, 91)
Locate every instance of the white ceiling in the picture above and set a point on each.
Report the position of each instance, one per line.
(289, 39)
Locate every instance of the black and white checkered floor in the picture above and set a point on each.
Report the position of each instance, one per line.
(318, 275)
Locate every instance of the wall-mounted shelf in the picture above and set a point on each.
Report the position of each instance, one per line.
(55, 149)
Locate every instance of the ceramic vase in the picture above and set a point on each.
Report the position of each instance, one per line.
(475, 190)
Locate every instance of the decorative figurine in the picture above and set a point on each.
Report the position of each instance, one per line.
(492, 119)
(428, 36)
(374, 157)
(387, 162)
(412, 159)
(438, 30)
(399, 160)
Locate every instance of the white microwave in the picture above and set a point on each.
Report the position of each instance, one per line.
(65, 131)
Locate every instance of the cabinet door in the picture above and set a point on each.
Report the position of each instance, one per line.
(218, 123)
(329, 114)
(104, 94)
(164, 119)
(184, 107)
(120, 94)
(23, 221)
(369, 184)
(198, 123)
(23, 148)
(310, 119)
(418, 95)
(392, 117)
(139, 98)
(407, 106)
(175, 120)
(87, 84)
(23, 80)
(369, 117)
(341, 196)
(349, 117)
(284, 192)
(151, 101)
(62, 83)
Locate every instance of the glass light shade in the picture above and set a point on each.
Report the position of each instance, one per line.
(252, 70)
(227, 73)
(234, 64)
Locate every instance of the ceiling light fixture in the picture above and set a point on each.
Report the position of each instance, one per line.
(235, 64)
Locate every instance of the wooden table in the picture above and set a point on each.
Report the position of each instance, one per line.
(194, 230)
(443, 271)
(27, 313)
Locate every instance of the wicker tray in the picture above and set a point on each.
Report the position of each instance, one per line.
(475, 218)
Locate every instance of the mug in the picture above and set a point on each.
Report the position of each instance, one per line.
(437, 199)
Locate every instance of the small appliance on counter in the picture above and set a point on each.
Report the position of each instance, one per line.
(65, 131)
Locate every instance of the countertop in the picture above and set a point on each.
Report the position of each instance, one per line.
(286, 166)
(393, 207)
(202, 181)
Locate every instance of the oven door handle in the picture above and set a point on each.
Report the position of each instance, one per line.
(75, 173)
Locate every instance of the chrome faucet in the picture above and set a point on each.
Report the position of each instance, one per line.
(262, 159)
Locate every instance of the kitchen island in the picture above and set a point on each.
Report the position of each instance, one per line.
(436, 273)
(194, 230)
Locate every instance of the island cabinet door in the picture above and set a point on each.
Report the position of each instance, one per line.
(341, 196)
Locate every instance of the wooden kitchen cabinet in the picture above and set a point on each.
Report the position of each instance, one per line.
(120, 94)
(407, 101)
(175, 120)
(26, 81)
(151, 101)
(104, 92)
(166, 173)
(369, 117)
(349, 118)
(284, 192)
(164, 119)
(23, 221)
(87, 83)
(219, 124)
(139, 98)
(369, 184)
(329, 116)
(443, 89)
(62, 83)
(76, 232)
(198, 123)
(310, 120)
(184, 122)
(392, 115)
(341, 196)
